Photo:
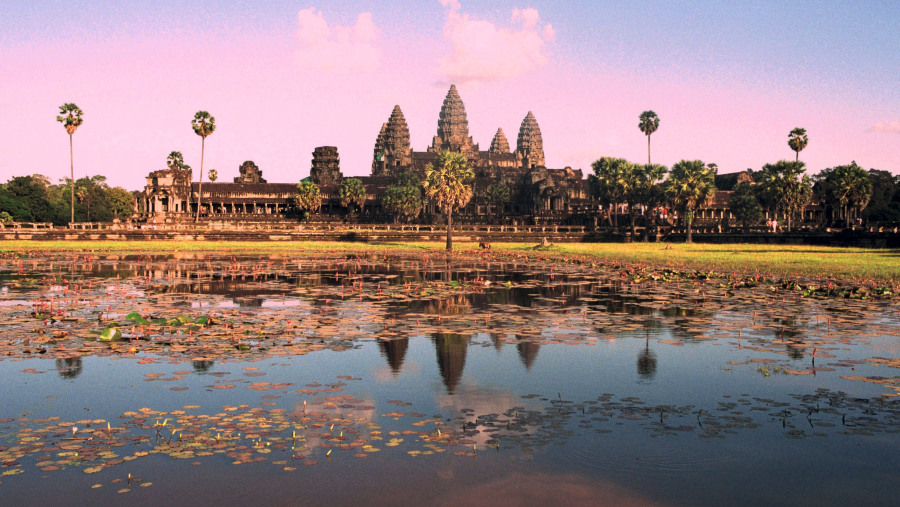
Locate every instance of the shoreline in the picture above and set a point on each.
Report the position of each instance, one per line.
(869, 268)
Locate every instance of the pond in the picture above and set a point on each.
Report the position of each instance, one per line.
(415, 377)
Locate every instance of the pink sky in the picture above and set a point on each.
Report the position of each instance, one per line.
(326, 77)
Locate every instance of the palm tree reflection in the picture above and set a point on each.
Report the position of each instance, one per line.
(646, 361)
(69, 367)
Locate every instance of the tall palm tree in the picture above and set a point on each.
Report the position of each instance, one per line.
(447, 185)
(690, 185)
(70, 116)
(798, 140)
(213, 175)
(648, 125)
(203, 125)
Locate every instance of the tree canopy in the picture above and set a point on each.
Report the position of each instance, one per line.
(352, 194)
(402, 201)
(448, 185)
(745, 205)
(649, 122)
(797, 140)
(845, 187)
(690, 185)
(784, 187)
(498, 194)
(308, 198)
(611, 181)
(34, 199)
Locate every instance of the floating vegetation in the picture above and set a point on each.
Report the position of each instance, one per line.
(173, 319)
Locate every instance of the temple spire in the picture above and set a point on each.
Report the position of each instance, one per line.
(530, 144)
(453, 127)
(392, 148)
(499, 145)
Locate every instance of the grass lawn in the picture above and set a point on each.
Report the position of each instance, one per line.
(859, 265)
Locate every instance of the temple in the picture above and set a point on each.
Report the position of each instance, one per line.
(535, 194)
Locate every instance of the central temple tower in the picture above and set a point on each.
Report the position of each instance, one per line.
(453, 127)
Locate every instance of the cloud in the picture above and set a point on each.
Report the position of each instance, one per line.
(337, 48)
(886, 126)
(483, 51)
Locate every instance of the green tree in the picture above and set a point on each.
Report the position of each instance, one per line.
(175, 160)
(498, 194)
(29, 199)
(447, 184)
(71, 116)
(648, 125)
(690, 186)
(798, 140)
(352, 193)
(847, 187)
(610, 183)
(120, 202)
(643, 190)
(402, 201)
(785, 187)
(89, 196)
(884, 206)
(204, 125)
(744, 204)
(308, 198)
(213, 175)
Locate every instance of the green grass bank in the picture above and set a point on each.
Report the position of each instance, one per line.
(858, 265)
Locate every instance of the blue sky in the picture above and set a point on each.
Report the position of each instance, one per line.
(729, 79)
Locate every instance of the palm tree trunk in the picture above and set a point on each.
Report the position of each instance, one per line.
(72, 185)
(631, 214)
(449, 230)
(648, 150)
(200, 187)
(689, 220)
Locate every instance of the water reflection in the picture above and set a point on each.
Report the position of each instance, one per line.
(550, 402)
(646, 361)
(202, 366)
(395, 352)
(528, 351)
(69, 367)
(451, 357)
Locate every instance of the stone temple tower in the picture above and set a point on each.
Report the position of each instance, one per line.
(530, 145)
(499, 145)
(392, 148)
(453, 127)
(326, 166)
